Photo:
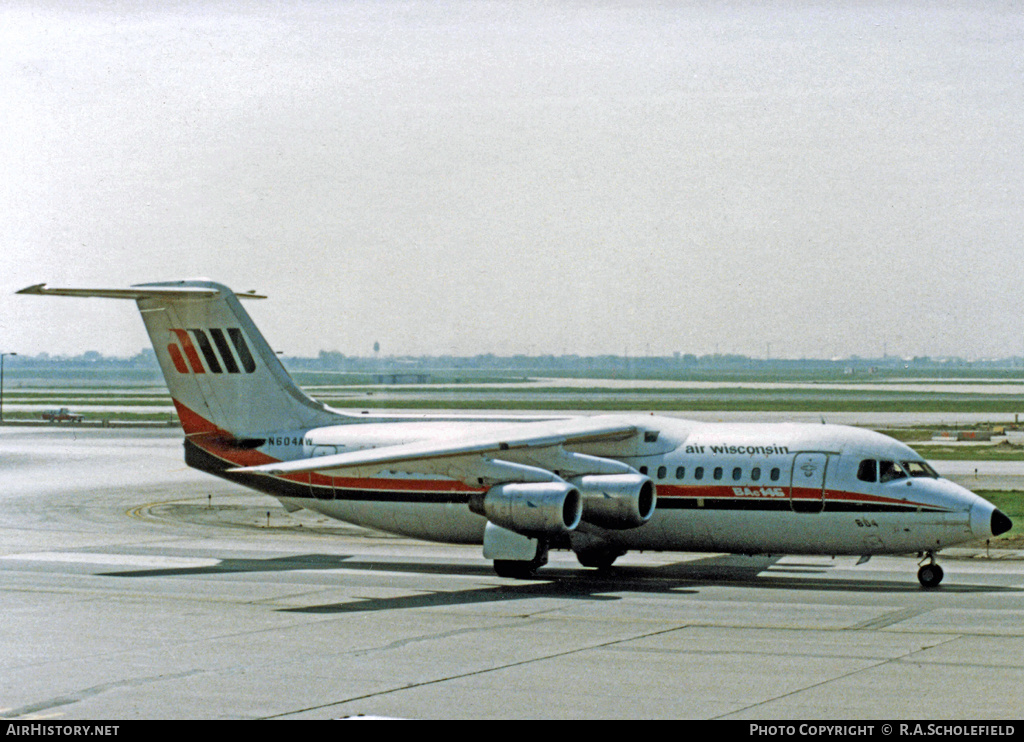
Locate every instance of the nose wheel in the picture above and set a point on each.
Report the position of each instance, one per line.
(930, 574)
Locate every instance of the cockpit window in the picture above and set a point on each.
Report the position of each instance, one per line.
(868, 471)
(920, 469)
(890, 470)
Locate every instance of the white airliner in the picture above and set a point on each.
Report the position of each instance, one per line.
(599, 486)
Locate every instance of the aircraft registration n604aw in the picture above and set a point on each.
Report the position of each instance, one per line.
(599, 486)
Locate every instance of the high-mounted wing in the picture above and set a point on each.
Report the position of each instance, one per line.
(534, 485)
(510, 454)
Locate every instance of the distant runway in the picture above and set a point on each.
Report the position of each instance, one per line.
(132, 587)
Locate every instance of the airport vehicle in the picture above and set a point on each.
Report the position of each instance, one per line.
(599, 485)
(63, 415)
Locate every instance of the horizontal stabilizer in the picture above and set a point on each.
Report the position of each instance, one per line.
(140, 291)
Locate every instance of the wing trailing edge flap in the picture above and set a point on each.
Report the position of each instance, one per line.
(536, 454)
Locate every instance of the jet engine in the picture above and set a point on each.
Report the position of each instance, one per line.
(616, 501)
(531, 508)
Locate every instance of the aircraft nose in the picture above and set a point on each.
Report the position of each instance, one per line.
(987, 520)
(1000, 522)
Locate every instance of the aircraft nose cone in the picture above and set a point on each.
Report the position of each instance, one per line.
(1000, 523)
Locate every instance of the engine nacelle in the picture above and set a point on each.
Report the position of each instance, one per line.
(531, 508)
(616, 501)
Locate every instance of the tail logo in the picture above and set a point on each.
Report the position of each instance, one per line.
(218, 355)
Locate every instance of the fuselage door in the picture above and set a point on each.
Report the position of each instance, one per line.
(807, 487)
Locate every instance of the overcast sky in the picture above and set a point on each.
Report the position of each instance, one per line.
(594, 177)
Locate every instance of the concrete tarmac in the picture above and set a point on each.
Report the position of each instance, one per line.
(134, 588)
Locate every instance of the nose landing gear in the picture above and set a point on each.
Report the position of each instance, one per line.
(930, 574)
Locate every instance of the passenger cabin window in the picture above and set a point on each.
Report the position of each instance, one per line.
(736, 474)
(868, 471)
(775, 474)
(643, 470)
(662, 471)
(680, 472)
(698, 473)
(755, 473)
(718, 472)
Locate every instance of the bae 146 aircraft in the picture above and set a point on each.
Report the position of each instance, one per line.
(599, 486)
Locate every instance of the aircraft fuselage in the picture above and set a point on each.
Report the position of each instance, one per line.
(743, 488)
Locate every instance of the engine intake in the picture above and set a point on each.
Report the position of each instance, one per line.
(531, 508)
(616, 501)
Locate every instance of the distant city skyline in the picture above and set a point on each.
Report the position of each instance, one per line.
(577, 177)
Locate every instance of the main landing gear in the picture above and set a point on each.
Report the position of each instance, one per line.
(930, 573)
(600, 558)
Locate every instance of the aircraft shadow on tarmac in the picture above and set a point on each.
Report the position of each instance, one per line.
(682, 578)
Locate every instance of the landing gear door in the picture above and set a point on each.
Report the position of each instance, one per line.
(807, 487)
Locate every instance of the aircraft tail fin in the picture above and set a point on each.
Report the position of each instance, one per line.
(221, 373)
